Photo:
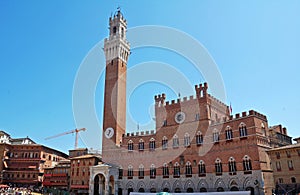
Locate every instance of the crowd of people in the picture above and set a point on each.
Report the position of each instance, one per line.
(15, 191)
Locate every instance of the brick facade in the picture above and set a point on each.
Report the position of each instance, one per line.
(286, 168)
(196, 146)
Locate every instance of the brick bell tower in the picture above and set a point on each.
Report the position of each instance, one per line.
(117, 50)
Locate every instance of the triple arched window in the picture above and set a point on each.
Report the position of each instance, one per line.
(247, 163)
(188, 169)
(218, 166)
(141, 145)
(164, 143)
(232, 166)
(228, 133)
(243, 130)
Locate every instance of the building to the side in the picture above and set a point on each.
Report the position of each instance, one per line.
(57, 178)
(24, 161)
(197, 145)
(286, 168)
(80, 172)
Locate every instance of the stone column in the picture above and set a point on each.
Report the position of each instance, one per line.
(106, 187)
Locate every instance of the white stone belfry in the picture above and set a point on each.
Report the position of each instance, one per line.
(116, 46)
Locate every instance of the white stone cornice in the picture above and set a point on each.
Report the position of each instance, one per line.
(116, 47)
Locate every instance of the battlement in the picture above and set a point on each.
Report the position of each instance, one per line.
(238, 116)
(201, 90)
(142, 133)
(250, 113)
(160, 99)
(215, 100)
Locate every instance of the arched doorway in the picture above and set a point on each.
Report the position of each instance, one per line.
(120, 191)
(130, 190)
(203, 190)
(220, 189)
(153, 190)
(250, 189)
(141, 190)
(177, 190)
(190, 190)
(99, 184)
(111, 185)
(234, 188)
(166, 190)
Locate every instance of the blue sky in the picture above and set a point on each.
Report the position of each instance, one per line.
(255, 44)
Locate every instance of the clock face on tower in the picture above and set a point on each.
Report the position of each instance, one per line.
(179, 117)
(109, 132)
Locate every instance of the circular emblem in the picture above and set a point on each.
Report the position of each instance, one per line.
(109, 132)
(179, 117)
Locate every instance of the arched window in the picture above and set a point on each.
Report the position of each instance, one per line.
(130, 145)
(247, 163)
(218, 167)
(187, 140)
(122, 32)
(164, 143)
(165, 170)
(293, 180)
(176, 170)
(141, 171)
(188, 169)
(228, 133)
(175, 141)
(130, 172)
(290, 165)
(278, 166)
(152, 144)
(232, 166)
(243, 130)
(201, 168)
(216, 136)
(152, 171)
(199, 138)
(263, 129)
(141, 145)
(120, 173)
(197, 117)
(114, 30)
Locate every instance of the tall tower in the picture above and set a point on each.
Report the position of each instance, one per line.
(117, 50)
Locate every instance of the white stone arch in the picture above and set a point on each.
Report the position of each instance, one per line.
(242, 124)
(130, 184)
(164, 185)
(216, 130)
(177, 184)
(218, 160)
(141, 184)
(152, 139)
(130, 142)
(234, 182)
(152, 184)
(99, 184)
(248, 182)
(220, 183)
(189, 184)
(202, 184)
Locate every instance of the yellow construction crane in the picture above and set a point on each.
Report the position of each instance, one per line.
(76, 131)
